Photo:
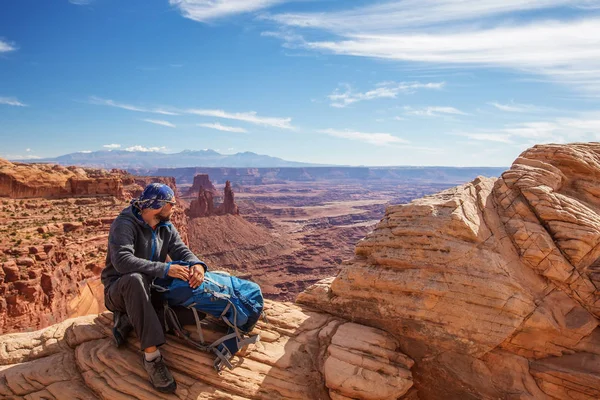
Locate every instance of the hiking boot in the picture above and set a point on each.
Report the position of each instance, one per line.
(121, 328)
(160, 376)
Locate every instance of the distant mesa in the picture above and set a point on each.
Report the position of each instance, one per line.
(201, 181)
(52, 181)
(259, 176)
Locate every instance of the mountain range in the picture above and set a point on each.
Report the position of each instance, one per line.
(188, 158)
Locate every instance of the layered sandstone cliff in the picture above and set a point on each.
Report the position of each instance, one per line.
(491, 286)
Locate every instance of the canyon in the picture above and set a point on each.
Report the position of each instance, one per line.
(485, 290)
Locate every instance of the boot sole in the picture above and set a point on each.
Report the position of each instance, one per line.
(168, 389)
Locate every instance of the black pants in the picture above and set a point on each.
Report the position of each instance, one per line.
(130, 294)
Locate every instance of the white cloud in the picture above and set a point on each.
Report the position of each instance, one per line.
(81, 2)
(382, 90)
(251, 117)
(446, 32)
(160, 122)
(112, 146)
(27, 150)
(224, 128)
(129, 107)
(11, 101)
(433, 111)
(207, 10)
(146, 149)
(379, 139)
(5, 47)
(85, 151)
(518, 108)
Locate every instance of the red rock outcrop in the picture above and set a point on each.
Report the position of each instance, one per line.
(491, 287)
(203, 205)
(302, 355)
(202, 181)
(228, 206)
(19, 181)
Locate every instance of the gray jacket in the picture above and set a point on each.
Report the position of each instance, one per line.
(133, 246)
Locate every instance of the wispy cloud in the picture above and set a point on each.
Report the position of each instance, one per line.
(489, 137)
(251, 117)
(433, 111)
(518, 108)
(444, 32)
(81, 2)
(389, 90)
(208, 10)
(12, 101)
(379, 139)
(224, 128)
(395, 16)
(5, 47)
(146, 149)
(160, 122)
(129, 107)
(112, 146)
(84, 151)
(558, 130)
(20, 157)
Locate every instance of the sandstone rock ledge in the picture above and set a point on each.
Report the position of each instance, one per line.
(491, 287)
(303, 354)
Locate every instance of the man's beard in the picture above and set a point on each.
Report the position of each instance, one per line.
(163, 218)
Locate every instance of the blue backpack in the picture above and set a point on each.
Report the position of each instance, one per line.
(236, 302)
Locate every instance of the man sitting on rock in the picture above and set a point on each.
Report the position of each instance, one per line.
(139, 242)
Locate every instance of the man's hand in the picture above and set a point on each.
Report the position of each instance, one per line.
(180, 272)
(196, 276)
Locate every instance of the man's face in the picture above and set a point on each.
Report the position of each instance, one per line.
(165, 212)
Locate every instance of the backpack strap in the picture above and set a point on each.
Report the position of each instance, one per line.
(198, 324)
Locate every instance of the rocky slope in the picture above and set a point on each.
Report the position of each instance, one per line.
(491, 286)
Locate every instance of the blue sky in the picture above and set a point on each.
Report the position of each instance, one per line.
(412, 82)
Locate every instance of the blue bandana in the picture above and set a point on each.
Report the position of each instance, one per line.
(154, 196)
